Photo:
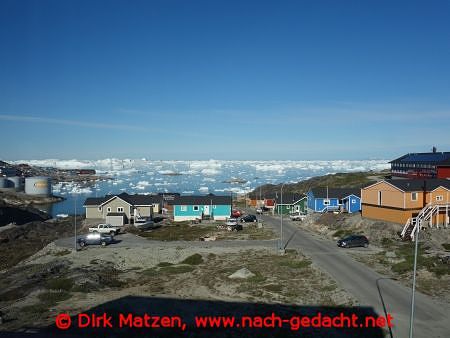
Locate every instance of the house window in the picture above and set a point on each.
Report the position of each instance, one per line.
(119, 209)
(100, 208)
(326, 202)
(108, 209)
(353, 201)
(183, 208)
(195, 207)
(288, 207)
(439, 198)
(414, 196)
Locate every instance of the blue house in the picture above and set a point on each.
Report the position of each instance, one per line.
(187, 208)
(334, 199)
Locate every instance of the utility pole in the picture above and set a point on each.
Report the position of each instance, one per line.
(413, 294)
(75, 221)
(416, 247)
(281, 249)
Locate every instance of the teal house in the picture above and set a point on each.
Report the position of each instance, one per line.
(292, 203)
(187, 208)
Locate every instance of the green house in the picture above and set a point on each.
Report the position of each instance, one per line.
(291, 203)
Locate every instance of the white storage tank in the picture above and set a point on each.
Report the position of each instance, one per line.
(3, 183)
(16, 183)
(38, 185)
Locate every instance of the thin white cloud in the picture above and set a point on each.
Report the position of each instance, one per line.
(36, 119)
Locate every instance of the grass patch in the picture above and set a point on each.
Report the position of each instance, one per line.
(60, 284)
(343, 233)
(295, 264)
(85, 287)
(109, 278)
(194, 259)
(13, 294)
(178, 269)
(50, 298)
(430, 263)
(150, 272)
(62, 253)
(273, 287)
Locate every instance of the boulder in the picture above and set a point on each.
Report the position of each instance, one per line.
(243, 273)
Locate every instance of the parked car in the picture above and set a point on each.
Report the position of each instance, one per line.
(298, 216)
(353, 241)
(95, 239)
(248, 219)
(144, 224)
(105, 229)
(232, 221)
(234, 227)
(259, 211)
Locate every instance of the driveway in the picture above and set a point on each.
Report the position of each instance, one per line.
(368, 286)
(128, 240)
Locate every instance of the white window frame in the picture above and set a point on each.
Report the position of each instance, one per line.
(288, 207)
(108, 209)
(196, 208)
(214, 206)
(439, 198)
(414, 193)
(326, 202)
(353, 201)
(119, 209)
(183, 207)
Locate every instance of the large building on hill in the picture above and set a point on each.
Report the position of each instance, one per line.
(422, 165)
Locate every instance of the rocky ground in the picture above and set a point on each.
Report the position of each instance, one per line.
(388, 254)
(58, 280)
(21, 199)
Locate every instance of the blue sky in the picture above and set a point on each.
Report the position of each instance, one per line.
(223, 79)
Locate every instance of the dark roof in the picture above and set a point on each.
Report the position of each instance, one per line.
(426, 158)
(289, 198)
(115, 214)
(202, 200)
(418, 185)
(335, 192)
(131, 199)
(96, 200)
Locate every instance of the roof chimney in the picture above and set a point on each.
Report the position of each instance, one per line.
(434, 149)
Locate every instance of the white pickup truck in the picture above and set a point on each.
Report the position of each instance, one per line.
(298, 216)
(105, 229)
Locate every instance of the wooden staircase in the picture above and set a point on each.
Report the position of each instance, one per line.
(426, 214)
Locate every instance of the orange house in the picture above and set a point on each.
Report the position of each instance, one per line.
(399, 200)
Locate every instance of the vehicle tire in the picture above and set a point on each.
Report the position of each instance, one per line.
(82, 244)
(112, 233)
(103, 243)
(366, 245)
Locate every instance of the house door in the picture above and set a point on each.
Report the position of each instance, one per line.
(206, 211)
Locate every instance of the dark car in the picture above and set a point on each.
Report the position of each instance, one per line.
(249, 219)
(95, 239)
(235, 227)
(353, 241)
